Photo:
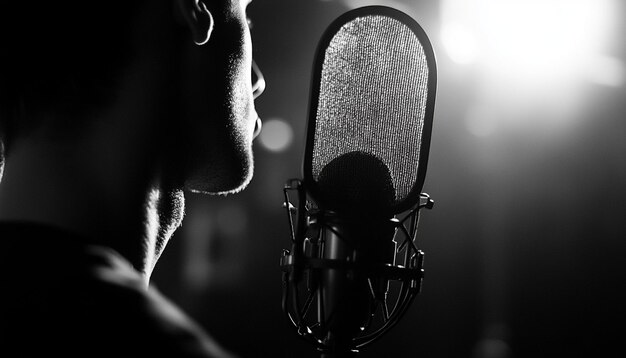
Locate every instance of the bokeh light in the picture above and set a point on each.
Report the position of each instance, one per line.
(276, 135)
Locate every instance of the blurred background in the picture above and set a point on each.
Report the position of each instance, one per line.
(526, 246)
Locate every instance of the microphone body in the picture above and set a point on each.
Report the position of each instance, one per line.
(349, 291)
(353, 268)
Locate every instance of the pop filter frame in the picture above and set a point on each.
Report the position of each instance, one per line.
(413, 197)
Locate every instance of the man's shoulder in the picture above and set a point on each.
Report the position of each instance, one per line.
(71, 296)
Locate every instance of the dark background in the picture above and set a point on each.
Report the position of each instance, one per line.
(525, 248)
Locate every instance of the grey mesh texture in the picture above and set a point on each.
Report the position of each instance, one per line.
(372, 99)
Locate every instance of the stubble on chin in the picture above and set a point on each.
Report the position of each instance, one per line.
(227, 175)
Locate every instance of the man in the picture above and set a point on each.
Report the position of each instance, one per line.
(109, 111)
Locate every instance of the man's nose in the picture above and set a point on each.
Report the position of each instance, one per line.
(258, 81)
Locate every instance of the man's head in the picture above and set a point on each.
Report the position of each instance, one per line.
(63, 62)
(224, 62)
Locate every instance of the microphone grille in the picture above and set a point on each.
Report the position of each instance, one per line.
(376, 75)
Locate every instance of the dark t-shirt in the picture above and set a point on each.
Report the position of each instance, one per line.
(61, 297)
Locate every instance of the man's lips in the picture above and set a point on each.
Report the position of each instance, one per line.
(257, 127)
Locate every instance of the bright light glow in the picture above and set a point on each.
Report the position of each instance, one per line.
(460, 43)
(480, 121)
(607, 71)
(276, 135)
(532, 59)
(527, 40)
(539, 38)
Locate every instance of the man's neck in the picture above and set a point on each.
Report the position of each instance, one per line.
(102, 181)
(94, 189)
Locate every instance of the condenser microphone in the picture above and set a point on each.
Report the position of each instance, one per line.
(354, 267)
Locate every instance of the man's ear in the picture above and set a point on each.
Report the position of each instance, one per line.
(197, 18)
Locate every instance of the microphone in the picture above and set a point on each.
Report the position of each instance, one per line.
(354, 268)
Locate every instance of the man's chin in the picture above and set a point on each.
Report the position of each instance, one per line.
(221, 182)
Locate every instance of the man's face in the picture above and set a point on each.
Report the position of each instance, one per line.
(218, 100)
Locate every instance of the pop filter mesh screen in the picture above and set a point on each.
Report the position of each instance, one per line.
(372, 100)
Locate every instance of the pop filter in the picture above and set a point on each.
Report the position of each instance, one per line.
(368, 137)
(374, 83)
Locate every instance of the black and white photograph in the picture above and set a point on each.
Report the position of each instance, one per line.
(313, 178)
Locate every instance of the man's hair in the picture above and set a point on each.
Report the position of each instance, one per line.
(59, 57)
